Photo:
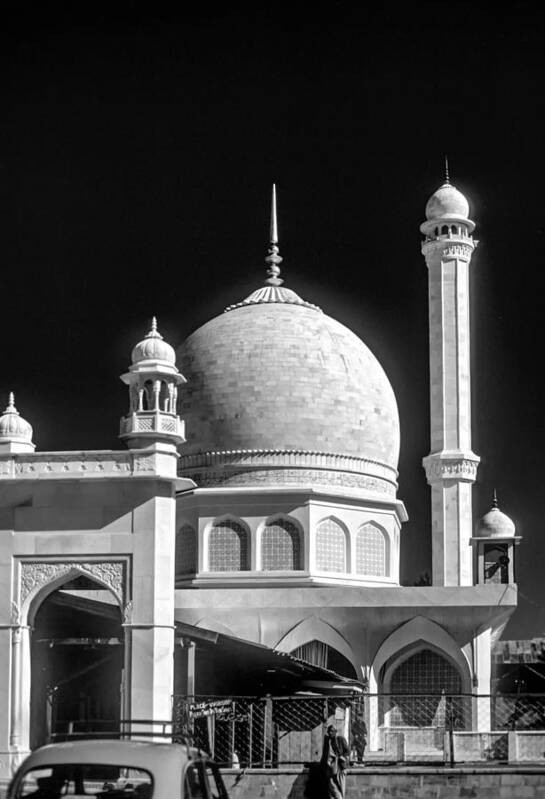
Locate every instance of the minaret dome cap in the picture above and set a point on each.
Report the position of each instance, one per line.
(13, 428)
(153, 348)
(495, 524)
(447, 203)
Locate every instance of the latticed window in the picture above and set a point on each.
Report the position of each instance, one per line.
(281, 546)
(370, 551)
(186, 560)
(426, 672)
(228, 547)
(425, 692)
(330, 547)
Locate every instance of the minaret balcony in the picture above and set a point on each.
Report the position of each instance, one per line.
(152, 424)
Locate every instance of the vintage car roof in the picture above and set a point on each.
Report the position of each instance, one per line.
(136, 754)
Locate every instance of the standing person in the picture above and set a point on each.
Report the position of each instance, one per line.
(334, 762)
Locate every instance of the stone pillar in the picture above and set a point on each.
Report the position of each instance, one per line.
(152, 617)
(481, 704)
(451, 467)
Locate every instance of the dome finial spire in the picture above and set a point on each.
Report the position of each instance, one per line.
(11, 403)
(273, 258)
(495, 500)
(447, 178)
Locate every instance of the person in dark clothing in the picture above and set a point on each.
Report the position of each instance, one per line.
(334, 763)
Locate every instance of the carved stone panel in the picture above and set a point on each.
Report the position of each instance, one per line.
(36, 574)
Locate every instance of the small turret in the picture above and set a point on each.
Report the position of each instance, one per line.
(15, 432)
(494, 547)
(153, 381)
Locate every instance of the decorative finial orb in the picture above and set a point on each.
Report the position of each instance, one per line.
(13, 428)
(495, 524)
(153, 347)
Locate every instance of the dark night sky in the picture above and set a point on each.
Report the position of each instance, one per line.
(136, 157)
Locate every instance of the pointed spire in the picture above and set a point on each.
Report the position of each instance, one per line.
(11, 404)
(273, 258)
(274, 221)
(447, 178)
(495, 500)
(154, 333)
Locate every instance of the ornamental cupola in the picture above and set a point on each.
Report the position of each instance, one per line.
(494, 547)
(15, 432)
(153, 381)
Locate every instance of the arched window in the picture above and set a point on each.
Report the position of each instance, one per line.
(371, 551)
(148, 397)
(281, 546)
(444, 230)
(426, 673)
(228, 548)
(186, 550)
(330, 547)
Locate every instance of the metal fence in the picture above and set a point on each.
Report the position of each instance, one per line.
(271, 731)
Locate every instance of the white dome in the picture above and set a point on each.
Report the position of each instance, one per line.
(276, 379)
(447, 203)
(13, 428)
(495, 524)
(153, 348)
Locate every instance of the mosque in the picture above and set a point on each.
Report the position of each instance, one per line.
(254, 502)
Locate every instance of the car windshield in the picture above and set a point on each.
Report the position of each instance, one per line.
(85, 779)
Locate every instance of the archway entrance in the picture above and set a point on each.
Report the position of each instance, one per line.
(77, 658)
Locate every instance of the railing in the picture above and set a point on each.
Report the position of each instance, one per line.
(268, 732)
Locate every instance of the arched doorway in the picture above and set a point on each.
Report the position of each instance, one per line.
(77, 656)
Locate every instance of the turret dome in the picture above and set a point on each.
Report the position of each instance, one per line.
(447, 203)
(15, 432)
(153, 348)
(495, 524)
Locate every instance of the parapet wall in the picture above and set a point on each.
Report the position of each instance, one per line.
(392, 783)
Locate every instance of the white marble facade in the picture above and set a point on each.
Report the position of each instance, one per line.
(273, 515)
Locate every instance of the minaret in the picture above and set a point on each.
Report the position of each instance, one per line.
(451, 466)
(153, 381)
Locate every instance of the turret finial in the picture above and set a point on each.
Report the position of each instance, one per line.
(495, 500)
(273, 258)
(154, 333)
(447, 178)
(10, 408)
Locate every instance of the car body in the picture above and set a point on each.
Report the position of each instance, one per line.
(117, 769)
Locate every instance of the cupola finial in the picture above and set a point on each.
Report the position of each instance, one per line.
(11, 404)
(154, 333)
(495, 500)
(273, 258)
(447, 177)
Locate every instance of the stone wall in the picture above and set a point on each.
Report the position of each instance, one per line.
(386, 783)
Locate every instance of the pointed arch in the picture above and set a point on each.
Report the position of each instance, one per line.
(42, 579)
(281, 543)
(372, 554)
(332, 551)
(186, 549)
(315, 629)
(418, 633)
(227, 544)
